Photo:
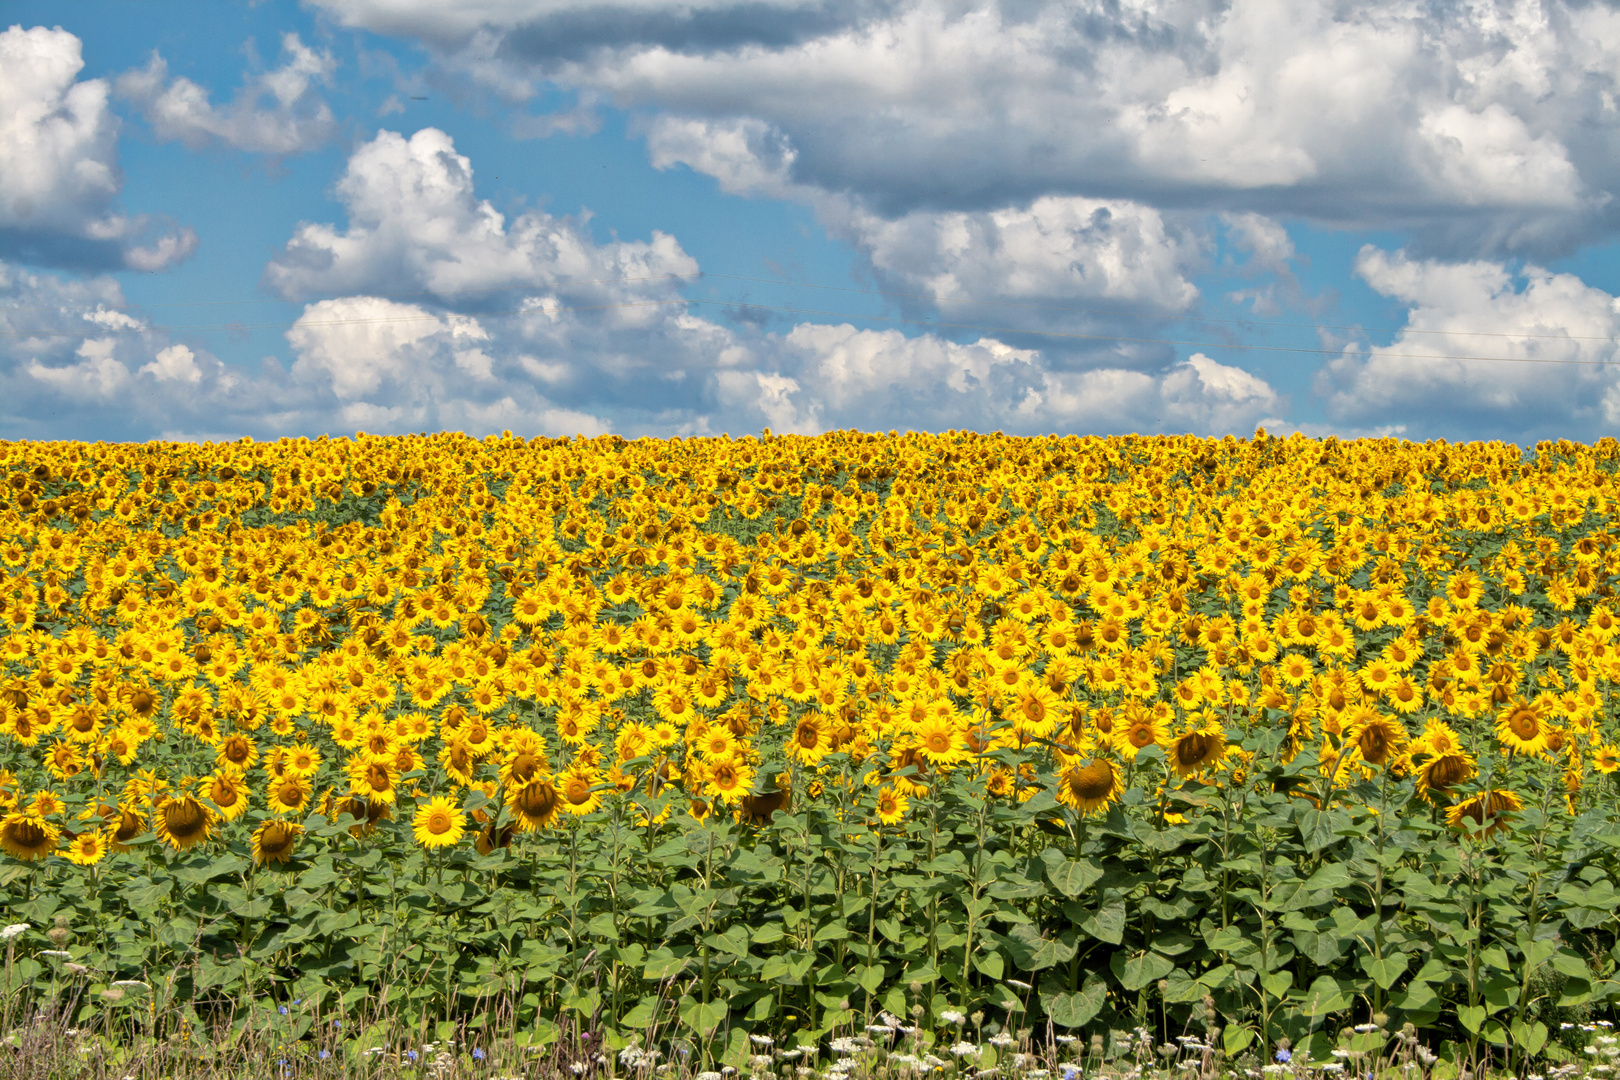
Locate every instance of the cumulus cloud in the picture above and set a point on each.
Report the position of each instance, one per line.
(415, 224)
(1488, 128)
(59, 176)
(825, 377)
(1056, 248)
(1548, 347)
(275, 112)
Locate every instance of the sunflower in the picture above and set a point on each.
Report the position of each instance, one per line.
(228, 791)
(237, 750)
(1438, 775)
(1140, 729)
(1090, 787)
(128, 827)
(579, 794)
(729, 780)
(273, 841)
(27, 836)
(183, 822)
(374, 778)
(940, 741)
(892, 805)
(1484, 814)
(438, 823)
(287, 794)
(1519, 728)
(809, 742)
(493, 836)
(1606, 758)
(1197, 750)
(87, 848)
(1376, 738)
(366, 814)
(534, 804)
(141, 701)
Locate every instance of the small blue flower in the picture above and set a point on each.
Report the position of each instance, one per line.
(324, 1054)
(1283, 1057)
(282, 1010)
(478, 1054)
(411, 1055)
(1070, 1072)
(337, 1023)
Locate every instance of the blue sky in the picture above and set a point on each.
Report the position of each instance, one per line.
(653, 218)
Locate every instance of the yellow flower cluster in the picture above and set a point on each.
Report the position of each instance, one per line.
(197, 633)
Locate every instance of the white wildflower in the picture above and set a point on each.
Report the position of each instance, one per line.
(13, 930)
(951, 1016)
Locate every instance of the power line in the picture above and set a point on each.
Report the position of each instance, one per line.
(836, 315)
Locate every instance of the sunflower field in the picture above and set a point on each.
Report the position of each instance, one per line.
(1293, 745)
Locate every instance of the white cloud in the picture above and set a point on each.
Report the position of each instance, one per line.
(819, 377)
(1489, 127)
(1554, 343)
(174, 364)
(275, 112)
(416, 224)
(1057, 248)
(59, 176)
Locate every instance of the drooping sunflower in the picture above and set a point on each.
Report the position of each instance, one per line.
(28, 836)
(438, 823)
(1436, 776)
(1377, 738)
(1194, 751)
(183, 822)
(1090, 787)
(128, 826)
(274, 841)
(534, 804)
(1482, 815)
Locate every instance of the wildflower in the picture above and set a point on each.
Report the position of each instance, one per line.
(1283, 1055)
(13, 930)
(951, 1016)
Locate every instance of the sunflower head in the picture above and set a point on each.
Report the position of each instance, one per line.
(28, 836)
(1090, 787)
(1196, 751)
(438, 823)
(274, 841)
(1485, 814)
(534, 804)
(183, 822)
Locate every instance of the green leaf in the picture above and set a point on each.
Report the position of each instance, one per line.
(870, 977)
(1530, 1037)
(1107, 923)
(1472, 1016)
(1137, 971)
(1068, 876)
(1385, 970)
(703, 1017)
(1323, 996)
(1072, 1010)
(1236, 1037)
(1276, 983)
